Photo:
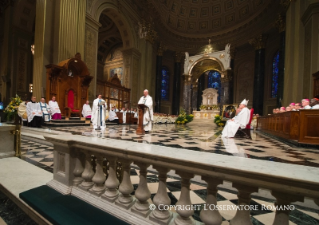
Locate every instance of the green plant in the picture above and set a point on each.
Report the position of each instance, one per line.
(183, 117)
(219, 121)
(12, 109)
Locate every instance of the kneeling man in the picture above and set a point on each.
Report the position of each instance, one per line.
(241, 120)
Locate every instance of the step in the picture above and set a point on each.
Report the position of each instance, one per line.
(66, 124)
(67, 121)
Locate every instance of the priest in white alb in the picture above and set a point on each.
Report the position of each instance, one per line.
(86, 110)
(240, 120)
(34, 113)
(98, 113)
(45, 110)
(55, 109)
(124, 114)
(148, 111)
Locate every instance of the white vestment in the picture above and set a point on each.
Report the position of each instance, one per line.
(98, 114)
(148, 112)
(112, 115)
(135, 115)
(307, 107)
(315, 106)
(33, 109)
(46, 111)
(123, 116)
(54, 106)
(22, 111)
(86, 110)
(241, 120)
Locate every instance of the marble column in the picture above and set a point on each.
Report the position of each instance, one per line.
(131, 61)
(259, 75)
(91, 42)
(158, 88)
(281, 24)
(176, 85)
(187, 93)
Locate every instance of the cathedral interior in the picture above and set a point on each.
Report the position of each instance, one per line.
(198, 58)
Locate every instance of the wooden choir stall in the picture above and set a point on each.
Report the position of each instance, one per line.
(300, 127)
(69, 81)
(115, 94)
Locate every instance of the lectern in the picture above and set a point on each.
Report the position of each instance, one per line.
(140, 129)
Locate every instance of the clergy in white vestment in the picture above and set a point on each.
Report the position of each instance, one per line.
(55, 109)
(135, 113)
(305, 103)
(98, 113)
(86, 110)
(34, 113)
(124, 114)
(112, 116)
(46, 111)
(315, 103)
(148, 110)
(22, 112)
(240, 120)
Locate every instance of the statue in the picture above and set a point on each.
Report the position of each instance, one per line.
(186, 63)
(227, 56)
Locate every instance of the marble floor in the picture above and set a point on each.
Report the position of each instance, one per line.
(196, 138)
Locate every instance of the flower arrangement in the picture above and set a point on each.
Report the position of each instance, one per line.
(12, 109)
(219, 121)
(209, 107)
(183, 117)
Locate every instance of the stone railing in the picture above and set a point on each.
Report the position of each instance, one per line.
(75, 174)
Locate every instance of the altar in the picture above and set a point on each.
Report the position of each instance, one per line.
(209, 108)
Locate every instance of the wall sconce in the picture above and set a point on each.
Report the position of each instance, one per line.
(32, 49)
(30, 88)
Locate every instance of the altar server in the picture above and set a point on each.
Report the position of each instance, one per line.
(55, 109)
(22, 112)
(240, 120)
(34, 113)
(46, 111)
(124, 114)
(86, 110)
(148, 111)
(135, 113)
(112, 116)
(98, 113)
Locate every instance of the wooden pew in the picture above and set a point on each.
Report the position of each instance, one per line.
(129, 118)
(300, 126)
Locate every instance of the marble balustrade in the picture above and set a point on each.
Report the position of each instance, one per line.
(75, 175)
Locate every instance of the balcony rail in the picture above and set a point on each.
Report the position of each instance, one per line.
(75, 173)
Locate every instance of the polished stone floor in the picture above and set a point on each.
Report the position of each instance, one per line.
(198, 137)
(205, 137)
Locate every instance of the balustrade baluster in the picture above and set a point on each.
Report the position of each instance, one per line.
(78, 169)
(99, 177)
(283, 204)
(125, 198)
(210, 214)
(243, 214)
(88, 172)
(161, 199)
(111, 193)
(142, 193)
(184, 205)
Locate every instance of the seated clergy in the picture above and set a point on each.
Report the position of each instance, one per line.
(315, 103)
(282, 109)
(240, 120)
(297, 106)
(34, 113)
(305, 103)
(135, 113)
(86, 110)
(22, 112)
(292, 107)
(112, 116)
(46, 111)
(288, 108)
(55, 109)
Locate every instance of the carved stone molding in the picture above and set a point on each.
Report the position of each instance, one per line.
(258, 42)
(281, 22)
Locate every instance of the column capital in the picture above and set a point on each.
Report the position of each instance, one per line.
(89, 20)
(281, 22)
(258, 42)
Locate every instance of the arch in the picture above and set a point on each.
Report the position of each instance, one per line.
(221, 69)
(120, 20)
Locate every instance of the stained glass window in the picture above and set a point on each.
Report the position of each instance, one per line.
(275, 71)
(165, 84)
(214, 82)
